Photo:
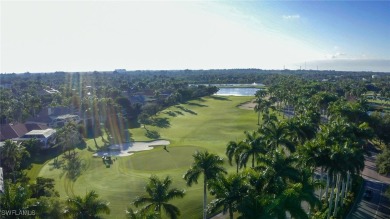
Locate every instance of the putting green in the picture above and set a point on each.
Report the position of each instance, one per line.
(208, 123)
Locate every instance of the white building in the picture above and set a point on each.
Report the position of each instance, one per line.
(45, 136)
(62, 120)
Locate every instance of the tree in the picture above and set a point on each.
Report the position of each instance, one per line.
(277, 134)
(261, 104)
(131, 214)
(229, 192)
(68, 137)
(43, 187)
(288, 201)
(279, 170)
(233, 150)
(158, 196)
(383, 162)
(15, 196)
(85, 207)
(210, 165)
(11, 157)
(33, 146)
(253, 146)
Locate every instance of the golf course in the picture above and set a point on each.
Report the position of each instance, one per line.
(203, 124)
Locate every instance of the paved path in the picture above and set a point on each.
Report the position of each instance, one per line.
(379, 205)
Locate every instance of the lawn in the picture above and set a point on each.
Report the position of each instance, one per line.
(208, 123)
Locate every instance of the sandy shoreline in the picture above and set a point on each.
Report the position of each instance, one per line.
(127, 148)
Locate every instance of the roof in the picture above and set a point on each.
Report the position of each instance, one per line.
(51, 91)
(10, 131)
(44, 117)
(47, 132)
(67, 116)
(34, 126)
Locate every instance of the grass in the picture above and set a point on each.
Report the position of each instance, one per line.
(382, 105)
(208, 123)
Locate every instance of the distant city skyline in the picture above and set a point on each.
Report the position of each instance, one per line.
(72, 36)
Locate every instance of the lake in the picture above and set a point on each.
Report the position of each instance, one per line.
(233, 91)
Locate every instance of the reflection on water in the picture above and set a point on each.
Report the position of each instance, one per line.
(237, 91)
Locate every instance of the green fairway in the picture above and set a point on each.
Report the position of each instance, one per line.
(208, 123)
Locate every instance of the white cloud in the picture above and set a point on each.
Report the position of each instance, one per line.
(335, 55)
(291, 17)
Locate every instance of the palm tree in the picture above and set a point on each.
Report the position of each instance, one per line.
(158, 196)
(15, 196)
(288, 201)
(68, 137)
(277, 134)
(278, 170)
(304, 127)
(131, 214)
(229, 191)
(86, 207)
(261, 104)
(210, 165)
(233, 150)
(11, 157)
(253, 145)
(258, 108)
(313, 154)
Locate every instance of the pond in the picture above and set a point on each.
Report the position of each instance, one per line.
(236, 91)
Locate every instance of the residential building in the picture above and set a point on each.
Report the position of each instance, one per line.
(54, 117)
(46, 137)
(12, 130)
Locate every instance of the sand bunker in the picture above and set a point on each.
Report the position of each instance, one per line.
(126, 149)
(248, 105)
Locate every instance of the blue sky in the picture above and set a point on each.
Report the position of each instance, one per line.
(86, 36)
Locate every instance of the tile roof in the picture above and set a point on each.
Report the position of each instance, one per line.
(44, 117)
(34, 126)
(10, 131)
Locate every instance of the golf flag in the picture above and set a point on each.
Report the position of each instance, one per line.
(1, 181)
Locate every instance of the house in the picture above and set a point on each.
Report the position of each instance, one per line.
(60, 121)
(12, 131)
(48, 91)
(46, 137)
(54, 117)
(51, 91)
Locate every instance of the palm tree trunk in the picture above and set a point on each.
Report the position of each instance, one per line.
(336, 201)
(258, 118)
(327, 185)
(342, 193)
(94, 139)
(204, 198)
(321, 173)
(346, 186)
(331, 198)
(230, 212)
(253, 161)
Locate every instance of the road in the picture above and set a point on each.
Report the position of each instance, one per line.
(378, 206)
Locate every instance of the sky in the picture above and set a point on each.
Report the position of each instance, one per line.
(49, 36)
